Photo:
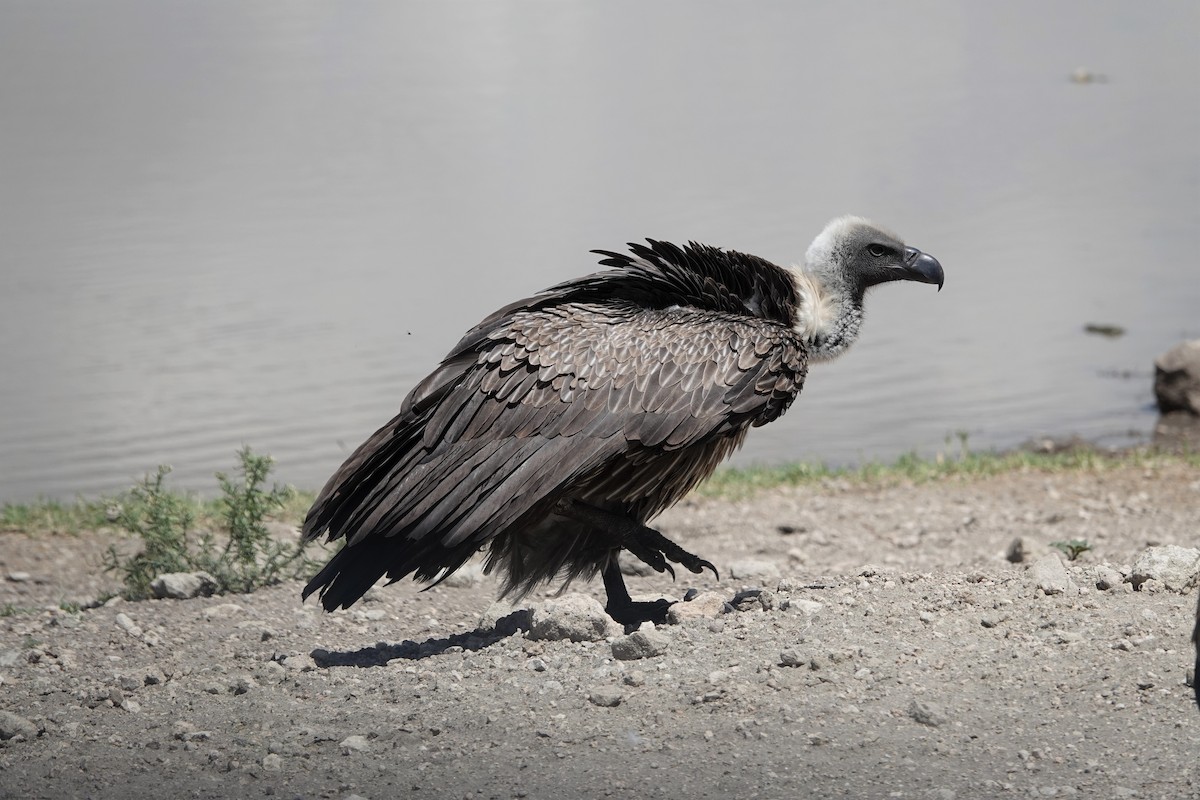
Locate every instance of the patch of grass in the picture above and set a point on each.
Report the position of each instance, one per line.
(52, 516)
(10, 610)
(235, 547)
(738, 483)
(55, 517)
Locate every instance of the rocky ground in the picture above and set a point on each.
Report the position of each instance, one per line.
(865, 641)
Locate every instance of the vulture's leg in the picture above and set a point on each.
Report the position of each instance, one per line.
(1196, 640)
(621, 607)
(644, 542)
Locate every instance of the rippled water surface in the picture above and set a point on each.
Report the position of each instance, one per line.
(228, 223)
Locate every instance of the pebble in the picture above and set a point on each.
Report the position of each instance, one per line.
(128, 625)
(640, 644)
(1021, 549)
(355, 744)
(1176, 568)
(19, 577)
(574, 617)
(791, 658)
(705, 605)
(13, 725)
(222, 611)
(1049, 575)
(805, 606)
(1107, 578)
(926, 713)
(183, 585)
(272, 762)
(244, 684)
(605, 697)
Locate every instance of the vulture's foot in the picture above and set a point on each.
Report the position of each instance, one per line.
(620, 605)
(652, 540)
(634, 613)
(640, 540)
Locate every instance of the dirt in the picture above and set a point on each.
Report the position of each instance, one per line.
(895, 652)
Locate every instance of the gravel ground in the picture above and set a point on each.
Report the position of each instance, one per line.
(866, 641)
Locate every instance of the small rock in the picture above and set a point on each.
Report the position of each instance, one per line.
(19, 577)
(300, 662)
(640, 644)
(244, 684)
(183, 585)
(355, 744)
(805, 606)
(272, 762)
(926, 713)
(605, 697)
(1049, 575)
(1177, 568)
(504, 618)
(222, 611)
(1023, 549)
(705, 605)
(129, 683)
(1107, 578)
(128, 625)
(13, 725)
(1177, 378)
(635, 678)
(791, 658)
(576, 617)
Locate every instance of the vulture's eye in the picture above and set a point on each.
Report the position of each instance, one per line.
(877, 250)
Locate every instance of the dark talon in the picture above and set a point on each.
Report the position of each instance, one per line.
(707, 565)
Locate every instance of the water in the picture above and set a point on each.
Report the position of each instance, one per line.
(229, 223)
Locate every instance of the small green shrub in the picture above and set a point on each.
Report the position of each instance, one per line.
(1072, 549)
(241, 557)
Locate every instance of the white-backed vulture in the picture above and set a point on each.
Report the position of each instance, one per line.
(561, 424)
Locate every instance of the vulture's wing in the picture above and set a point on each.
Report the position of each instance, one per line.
(505, 428)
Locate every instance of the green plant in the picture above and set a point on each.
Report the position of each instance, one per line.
(162, 520)
(1072, 549)
(241, 557)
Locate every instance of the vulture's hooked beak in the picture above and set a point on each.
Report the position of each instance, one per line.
(922, 267)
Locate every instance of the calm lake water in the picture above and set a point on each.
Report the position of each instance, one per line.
(254, 222)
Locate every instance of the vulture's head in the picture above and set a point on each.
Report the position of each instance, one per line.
(850, 256)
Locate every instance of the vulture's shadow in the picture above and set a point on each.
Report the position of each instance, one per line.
(381, 654)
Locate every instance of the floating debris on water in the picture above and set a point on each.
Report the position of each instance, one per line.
(1085, 75)
(1112, 331)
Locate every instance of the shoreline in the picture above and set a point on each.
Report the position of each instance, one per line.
(883, 643)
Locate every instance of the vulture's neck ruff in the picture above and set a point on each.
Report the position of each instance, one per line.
(848, 257)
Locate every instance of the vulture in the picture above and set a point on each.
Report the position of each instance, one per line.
(561, 424)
